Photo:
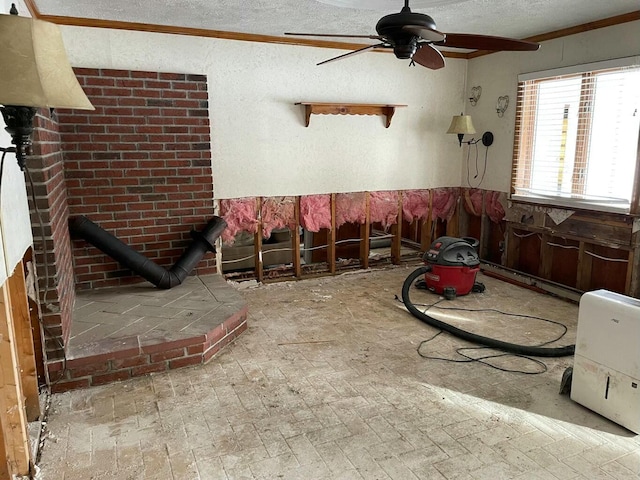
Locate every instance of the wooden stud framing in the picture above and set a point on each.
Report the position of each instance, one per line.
(513, 247)
(452, 224)
(13, 419)
(427, 225)
(485, 232)
(258, 242)
(365, 232)
(297, 266)
(331, 249)
(4, 465)
(24, 341)
(593, 229)
(463, 219)
(583, 280)
(633, 268)
(396, 230)
(35, 313)
(630, 271)
(546, 257)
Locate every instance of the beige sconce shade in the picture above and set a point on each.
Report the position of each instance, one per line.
(35, 71)
(461, 124)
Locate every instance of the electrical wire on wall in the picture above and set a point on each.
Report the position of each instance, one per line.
(571, 247)
(484, 170)
(308, 249)
(601, 257)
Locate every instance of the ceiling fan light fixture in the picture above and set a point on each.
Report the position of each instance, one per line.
(405, 51)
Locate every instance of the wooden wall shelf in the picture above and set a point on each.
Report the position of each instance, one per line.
(319, 108)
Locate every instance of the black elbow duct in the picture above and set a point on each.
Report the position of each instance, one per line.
(203, 242)
(533, 351)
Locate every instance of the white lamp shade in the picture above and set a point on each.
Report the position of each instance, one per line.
(34, 69)
(461, 124)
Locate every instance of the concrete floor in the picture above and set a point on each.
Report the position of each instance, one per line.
(326, 384)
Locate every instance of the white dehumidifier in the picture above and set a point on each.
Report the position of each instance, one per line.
(606, 369)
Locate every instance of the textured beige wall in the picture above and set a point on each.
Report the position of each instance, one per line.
(260, 145)
(498, 75)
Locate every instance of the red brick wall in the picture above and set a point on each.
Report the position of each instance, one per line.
(55, 276)
(139, 166)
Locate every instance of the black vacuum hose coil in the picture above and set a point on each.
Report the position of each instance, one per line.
(203, 242)
(514, 348)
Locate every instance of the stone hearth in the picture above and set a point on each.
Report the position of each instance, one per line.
(124, 332)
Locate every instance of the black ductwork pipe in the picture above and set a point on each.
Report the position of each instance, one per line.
(203, 242)
(530, 350)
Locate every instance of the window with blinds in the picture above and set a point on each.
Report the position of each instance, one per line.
(576, 139)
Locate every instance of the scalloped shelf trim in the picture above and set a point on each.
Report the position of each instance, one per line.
(319, 108)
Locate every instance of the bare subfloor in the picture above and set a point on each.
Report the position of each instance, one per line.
(327, 384)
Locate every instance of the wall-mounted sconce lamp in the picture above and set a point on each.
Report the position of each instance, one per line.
(462, 125)
(35, 73)
(502, 105)
(475, 95)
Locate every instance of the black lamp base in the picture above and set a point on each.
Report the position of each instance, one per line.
(19, 121)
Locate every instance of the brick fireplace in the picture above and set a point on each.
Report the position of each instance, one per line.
(140, 167)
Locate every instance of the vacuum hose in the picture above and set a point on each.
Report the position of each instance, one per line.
(203, 242)
(472, 337)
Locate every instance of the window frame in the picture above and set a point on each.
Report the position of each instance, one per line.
(524, 130)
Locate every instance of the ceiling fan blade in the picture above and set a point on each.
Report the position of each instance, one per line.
(425, 33)
(429, 56)
(334, 35)
(486, 42)
(354, 52)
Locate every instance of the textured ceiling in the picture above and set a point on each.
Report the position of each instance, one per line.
(511, 18)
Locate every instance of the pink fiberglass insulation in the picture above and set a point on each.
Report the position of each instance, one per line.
(415, 204)
(443, 203)
(473, 201)
(383, 208)
(351, 208)
(315, 212)
(493, 206)
(240, 215)
(277, 212)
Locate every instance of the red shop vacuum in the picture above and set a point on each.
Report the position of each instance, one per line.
(452, 267)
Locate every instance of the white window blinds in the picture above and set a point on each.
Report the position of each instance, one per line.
(576, 140)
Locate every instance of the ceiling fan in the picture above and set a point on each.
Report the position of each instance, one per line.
(414, 36)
